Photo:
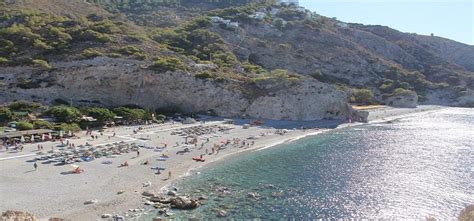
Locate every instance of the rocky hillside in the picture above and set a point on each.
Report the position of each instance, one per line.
(229, 57)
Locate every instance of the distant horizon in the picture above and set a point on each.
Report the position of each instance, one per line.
(420, 17)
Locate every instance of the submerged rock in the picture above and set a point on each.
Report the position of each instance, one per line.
(253, 195)
(221, 213)
(185, 203)
(171, 193)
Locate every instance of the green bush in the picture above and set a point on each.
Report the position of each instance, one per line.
(165, 64)
(130, 114)
(4, 61)
(6, 115)
(362, 96)
(22, 125)
(41, 124)
(40, 44)
(133, 51)
(101, 114)
(91, 53)
(65, 114)
(91, 35)
(25, 106)
(203, 75)
(73, 127)
(41, 64)
(401, 92)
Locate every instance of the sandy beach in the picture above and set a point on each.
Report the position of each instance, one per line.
(51, 191)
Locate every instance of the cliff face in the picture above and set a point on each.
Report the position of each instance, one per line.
(114, 82)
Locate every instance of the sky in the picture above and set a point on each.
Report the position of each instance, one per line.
(453, 19)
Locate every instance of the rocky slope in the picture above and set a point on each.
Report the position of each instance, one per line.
(289, 64)
(115, 82)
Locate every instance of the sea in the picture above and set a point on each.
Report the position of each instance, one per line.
(415, 167)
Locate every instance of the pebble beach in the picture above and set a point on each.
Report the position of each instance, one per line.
(105, 187)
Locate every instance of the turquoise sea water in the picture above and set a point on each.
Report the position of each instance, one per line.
(415, 167)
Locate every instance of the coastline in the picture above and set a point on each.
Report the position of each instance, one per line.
(182, 167)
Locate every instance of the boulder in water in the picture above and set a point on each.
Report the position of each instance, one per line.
(172, 193)
(185, 203)
(221, 213)
(253, 195)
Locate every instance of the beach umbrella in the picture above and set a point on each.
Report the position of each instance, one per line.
(22, 139)
(42, 137)
(61, 133)
(69, 133)
(49, 136)
(32, 138)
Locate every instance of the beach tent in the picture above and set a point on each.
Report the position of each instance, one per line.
(69, 133)
(61, 133)
(22, 139)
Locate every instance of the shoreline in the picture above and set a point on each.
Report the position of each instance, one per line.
(182, 167)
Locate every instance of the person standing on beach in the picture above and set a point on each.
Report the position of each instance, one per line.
(35, 165)
(169, 174)
(138, 153)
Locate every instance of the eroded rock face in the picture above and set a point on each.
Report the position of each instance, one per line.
(405, 100)
(17, 215)
(113, 82)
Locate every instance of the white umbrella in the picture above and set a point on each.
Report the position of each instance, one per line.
(32, 138)
(49, 136)
(42, 137)
(61, 133)
(22, 139)
(69, 133)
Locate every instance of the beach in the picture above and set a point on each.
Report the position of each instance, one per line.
(52, 191)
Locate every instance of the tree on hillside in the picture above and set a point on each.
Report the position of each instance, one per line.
(65, 114)
(6, 115)
(41, 124)
(24, 125)
(130, 114)
(101, 114)
(362, 96)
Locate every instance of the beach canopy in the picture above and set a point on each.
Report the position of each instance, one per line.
(22, 139)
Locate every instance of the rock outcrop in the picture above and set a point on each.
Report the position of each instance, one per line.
(184, 203)
(113, 82)
(408, 99)
(17, 215)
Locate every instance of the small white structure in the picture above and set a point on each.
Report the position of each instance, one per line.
(258, 15)
(232, 25)
(342, 25)
(216, 19)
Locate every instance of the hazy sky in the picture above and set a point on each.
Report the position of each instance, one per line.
(453, 19)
